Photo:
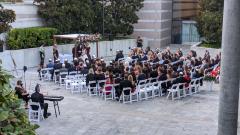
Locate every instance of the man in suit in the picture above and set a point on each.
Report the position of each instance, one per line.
(124, 84)
(119, 55)
(38, 97)
(154, 73)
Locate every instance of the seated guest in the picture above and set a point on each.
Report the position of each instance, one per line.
(22, 93)
(119, 55)
(124, 84)
(67, 65)
(50, 64)
(154, 73)
(179, 79)
(141, 76)
(38, 97)
(99, 74)
(90, 77)
(109, 81)
(57, 64)
(84, 71)
(63, 69)
(130, 78)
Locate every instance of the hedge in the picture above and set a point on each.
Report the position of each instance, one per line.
(30, 37)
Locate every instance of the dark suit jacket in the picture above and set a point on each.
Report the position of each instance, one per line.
(153, 74)
(125, 84)
(37, 97)
(141, 77)
(90, 77)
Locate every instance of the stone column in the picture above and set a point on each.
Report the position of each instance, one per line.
(230, 69)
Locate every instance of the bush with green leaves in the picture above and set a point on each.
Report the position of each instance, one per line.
(13, 118)
(210, 20)
(6, 17)
(30, 37)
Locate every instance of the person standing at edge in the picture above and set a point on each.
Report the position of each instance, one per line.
(42, 55)
(139, 42)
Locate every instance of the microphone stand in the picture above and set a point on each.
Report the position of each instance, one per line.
(24, 79)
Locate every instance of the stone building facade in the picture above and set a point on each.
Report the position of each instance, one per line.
(160, 20)
(155, 21)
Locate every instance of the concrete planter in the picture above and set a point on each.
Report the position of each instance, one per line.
(30, 57)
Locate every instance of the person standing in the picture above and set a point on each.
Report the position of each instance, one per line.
(139, 42)
(55, 52)
(42, 55)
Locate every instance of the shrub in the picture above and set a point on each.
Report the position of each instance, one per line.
(13, 119)
(30, 37)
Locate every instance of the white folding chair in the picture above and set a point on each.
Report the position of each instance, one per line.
(108, 94)
(126, 98)
(92, 90)
(45, 74)
(160, 87)
(68, 81)
(173, 91)
(141, 89)
(156, 89)
(56, 75)
(75, 86)
(73, 73)
(114, 90)
(62, 78)
(149, 90)
(37, 114)
(100, 86)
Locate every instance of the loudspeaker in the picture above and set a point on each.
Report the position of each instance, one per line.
(24, 68)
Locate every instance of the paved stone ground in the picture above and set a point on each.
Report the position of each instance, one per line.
(84, 115)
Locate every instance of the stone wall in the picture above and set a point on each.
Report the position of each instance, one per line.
(201, 51)
(155, 22)
(30, 57)
(26, 14)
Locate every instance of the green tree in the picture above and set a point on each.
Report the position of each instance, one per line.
(13, 119)
(119, 15)
(6, 17)
(210, 20)
(68, 16)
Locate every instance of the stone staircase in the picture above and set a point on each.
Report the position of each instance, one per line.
(26, 14)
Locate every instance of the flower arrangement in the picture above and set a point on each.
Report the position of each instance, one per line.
(209, 78)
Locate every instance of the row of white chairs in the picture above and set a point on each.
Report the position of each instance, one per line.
(181, 90)
(146, 89)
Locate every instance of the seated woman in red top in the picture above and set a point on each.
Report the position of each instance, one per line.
(109, 81)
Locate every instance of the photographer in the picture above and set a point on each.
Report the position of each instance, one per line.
(22, 93)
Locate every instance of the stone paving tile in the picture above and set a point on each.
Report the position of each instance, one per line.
(84, 115)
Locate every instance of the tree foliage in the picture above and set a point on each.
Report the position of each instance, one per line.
(13, 119)
(210, 20)
(72, 16)
(68, 16)
(6, 17)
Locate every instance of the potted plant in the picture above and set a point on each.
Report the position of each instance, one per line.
(210, 80)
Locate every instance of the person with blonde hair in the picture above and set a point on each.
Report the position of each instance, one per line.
(130, 78)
